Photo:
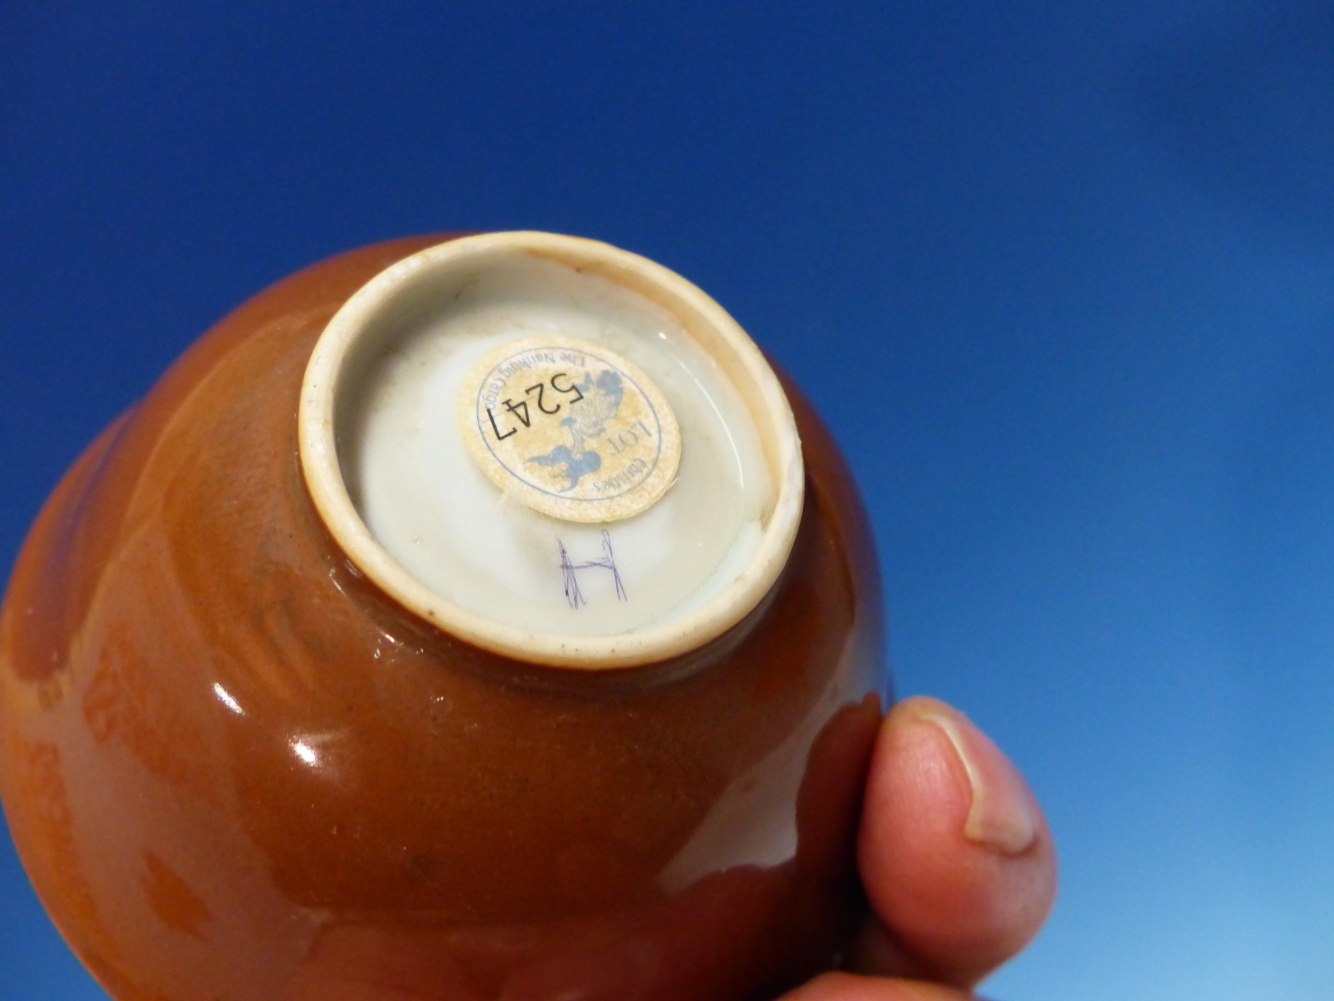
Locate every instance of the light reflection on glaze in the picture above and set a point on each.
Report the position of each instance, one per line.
(226, 699)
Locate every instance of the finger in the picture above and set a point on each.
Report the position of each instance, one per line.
(848, 987)
(956, 857)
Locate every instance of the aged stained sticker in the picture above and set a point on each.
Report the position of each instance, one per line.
(570, 429)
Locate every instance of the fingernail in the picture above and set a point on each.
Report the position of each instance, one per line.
(1003, 815)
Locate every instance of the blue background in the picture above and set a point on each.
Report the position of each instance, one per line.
(1059, 277)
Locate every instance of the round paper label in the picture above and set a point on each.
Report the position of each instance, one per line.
(569, 428)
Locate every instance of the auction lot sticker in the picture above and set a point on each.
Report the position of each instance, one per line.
(570, 429)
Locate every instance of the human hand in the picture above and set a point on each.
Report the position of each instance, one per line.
(956, 858)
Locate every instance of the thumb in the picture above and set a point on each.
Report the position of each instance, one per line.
(954, 852)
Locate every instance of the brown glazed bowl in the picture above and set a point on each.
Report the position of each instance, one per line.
(237, 770)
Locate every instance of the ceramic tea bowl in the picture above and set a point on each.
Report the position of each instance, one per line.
(256, 745)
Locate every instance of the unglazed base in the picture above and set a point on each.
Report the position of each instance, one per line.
(426, 502)
(381, 454)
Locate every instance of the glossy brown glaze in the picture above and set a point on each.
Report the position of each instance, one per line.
(235, 770)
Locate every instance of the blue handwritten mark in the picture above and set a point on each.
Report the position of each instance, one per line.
(570, 571)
